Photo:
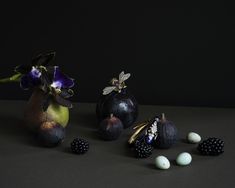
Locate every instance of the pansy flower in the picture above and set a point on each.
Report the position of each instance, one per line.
(42, 73)
(62, 84)
(61, 81)
(31, 79)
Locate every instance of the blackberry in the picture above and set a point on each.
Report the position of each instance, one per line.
(142, 149)
(211, 146)
(79, 146)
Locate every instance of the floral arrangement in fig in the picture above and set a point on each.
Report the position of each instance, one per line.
(43, 74)
(47, 111)
(117, 84)
(116, 102)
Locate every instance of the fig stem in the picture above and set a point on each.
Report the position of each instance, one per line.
(163, 117)
(111, 115)
(14, 78)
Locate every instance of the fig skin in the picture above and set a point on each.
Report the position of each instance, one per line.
(34, 115)
(122, 105)
(110, 128)
(167, 134)
(51, 134)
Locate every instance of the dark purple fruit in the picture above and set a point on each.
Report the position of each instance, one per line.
(211, 146)
(51, 134)
(121, 104)
(167, 134)
(110, 128)
(79, 146)
(142, 149)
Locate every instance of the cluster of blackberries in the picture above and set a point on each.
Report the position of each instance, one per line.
(79, 146)
(211, 146)
(142, 149)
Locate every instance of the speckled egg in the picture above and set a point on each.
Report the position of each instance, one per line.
(193, 138)
(184, 159)
(162, 162)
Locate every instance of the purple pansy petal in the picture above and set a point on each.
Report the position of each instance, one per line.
(35, 73)
(35, 81)
(61, 80)
(30, 80)
(24, 82)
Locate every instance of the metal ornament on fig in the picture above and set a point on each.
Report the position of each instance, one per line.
(117, 84)
(148, 131)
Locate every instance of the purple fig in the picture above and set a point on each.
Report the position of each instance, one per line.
(51, 134)
(121, 104)
(167, 134)
(110, 128)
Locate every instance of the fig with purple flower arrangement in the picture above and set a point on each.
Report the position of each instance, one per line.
(49, 101)
(117, 100)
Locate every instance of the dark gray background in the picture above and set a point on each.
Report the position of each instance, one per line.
(178, 54)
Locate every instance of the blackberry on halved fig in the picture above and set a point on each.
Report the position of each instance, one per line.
(79, 146)
(211, 146)
(142, 149)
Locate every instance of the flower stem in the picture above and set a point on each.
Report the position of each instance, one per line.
(14, 78)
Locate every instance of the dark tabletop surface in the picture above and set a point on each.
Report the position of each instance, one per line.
(110, 164)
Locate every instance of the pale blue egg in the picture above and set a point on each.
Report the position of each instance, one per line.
(184, 159)
(162, 162)
(193, 138)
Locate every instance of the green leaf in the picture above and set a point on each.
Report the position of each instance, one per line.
(46, 102)
(43, 59)
(66, 93)
(45, 78)
(23, 69)
(63, 101)
(14, 78)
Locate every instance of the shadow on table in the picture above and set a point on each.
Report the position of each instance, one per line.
(151, 166)
(11, 125)
(85, 123)
(121, 148)
(13, 128)
(184, 140)
(84, 119)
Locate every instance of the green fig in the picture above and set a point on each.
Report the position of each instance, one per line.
(34, 115)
